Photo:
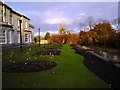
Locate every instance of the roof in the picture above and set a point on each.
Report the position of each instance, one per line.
(5, 5)
(16, 13)
(25, 17)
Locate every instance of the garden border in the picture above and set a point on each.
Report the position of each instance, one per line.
(105, 70)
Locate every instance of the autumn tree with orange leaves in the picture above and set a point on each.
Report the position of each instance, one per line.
(68, 38)
(100, 35)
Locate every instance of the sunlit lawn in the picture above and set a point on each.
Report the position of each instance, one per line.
(69, 72)
(14, 55)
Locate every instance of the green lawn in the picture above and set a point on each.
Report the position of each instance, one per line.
(69, 73)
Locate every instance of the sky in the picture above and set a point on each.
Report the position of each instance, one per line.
(48, 15)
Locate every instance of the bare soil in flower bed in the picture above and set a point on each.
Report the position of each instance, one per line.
(53, 46)
(48, 52)
(57, 47)
(105, 70)
(32, 66)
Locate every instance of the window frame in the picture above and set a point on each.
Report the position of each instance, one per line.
(3, 38)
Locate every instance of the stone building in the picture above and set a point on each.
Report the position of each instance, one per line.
(10, 27)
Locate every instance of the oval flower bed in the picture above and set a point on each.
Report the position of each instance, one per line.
(31, 66)
(48, 52)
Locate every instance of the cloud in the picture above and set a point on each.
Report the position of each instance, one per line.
(58, 20)
(49, 15)
(82, 14)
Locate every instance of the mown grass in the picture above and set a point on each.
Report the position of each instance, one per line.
(14, 55)
(69, 73)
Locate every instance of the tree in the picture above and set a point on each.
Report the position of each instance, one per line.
(118, 42)
(100, 21)
(56, 39)
(100, 35)
(67, 38)
(91, 22)
(103, 33)
(82, 26)
(47, 36)
(37, 38)
(83, 38)
(116, 23)
(72, 38)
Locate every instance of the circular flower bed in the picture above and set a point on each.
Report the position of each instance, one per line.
(31, 66)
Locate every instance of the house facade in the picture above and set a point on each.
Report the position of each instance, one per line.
(10, 27)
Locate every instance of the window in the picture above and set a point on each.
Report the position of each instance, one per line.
(26, 37)
(30, 38)
(18, 35)
(1, 15)
(4, 14)
(2, 37)
(26, 25)
(8, 37)
(12, 36)
(18, 23)
(10, 18)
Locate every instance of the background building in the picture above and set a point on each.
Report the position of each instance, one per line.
(62, 29)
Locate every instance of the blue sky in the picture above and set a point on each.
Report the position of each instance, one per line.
(49, 15)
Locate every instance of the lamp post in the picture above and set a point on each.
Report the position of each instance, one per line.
(20, 21)
(39, 37)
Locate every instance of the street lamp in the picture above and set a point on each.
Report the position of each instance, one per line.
(20, 21)
(39, 37)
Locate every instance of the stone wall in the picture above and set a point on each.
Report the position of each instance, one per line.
(105, 70)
